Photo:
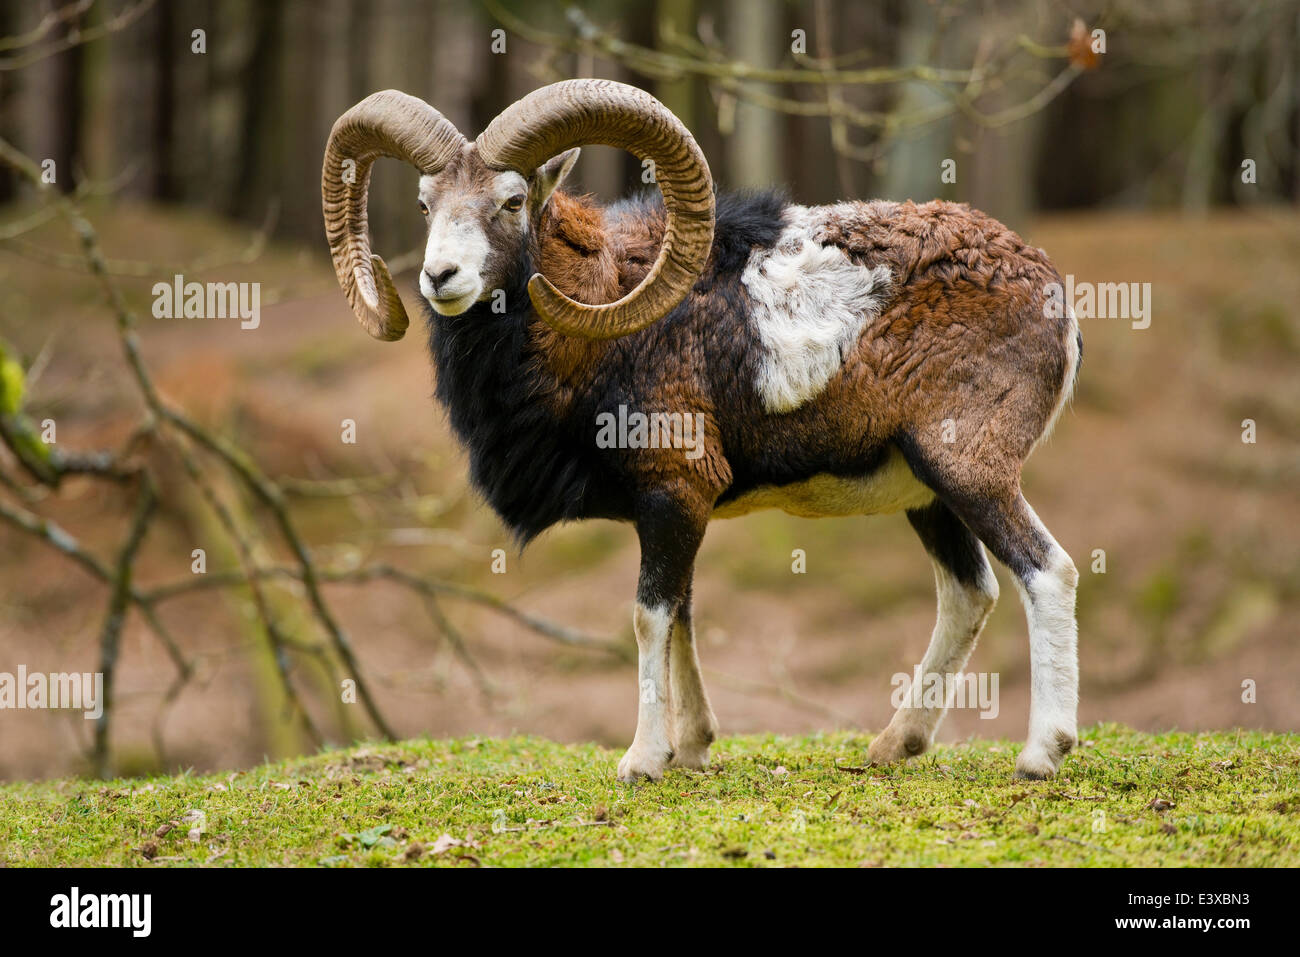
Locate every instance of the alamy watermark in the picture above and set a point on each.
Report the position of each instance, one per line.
(1104, 300)
(179, 299)
(978, 690)
(654, 430)
(133, 912)
(63, 690)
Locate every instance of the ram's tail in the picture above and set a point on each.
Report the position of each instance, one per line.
(1074, 352)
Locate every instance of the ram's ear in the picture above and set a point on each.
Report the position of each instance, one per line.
(548, 176)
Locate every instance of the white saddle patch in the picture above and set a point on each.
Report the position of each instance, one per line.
(811, 303)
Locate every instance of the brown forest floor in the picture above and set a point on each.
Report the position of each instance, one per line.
(1202, 588)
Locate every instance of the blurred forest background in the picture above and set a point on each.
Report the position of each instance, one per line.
(1188, 89)
(1150, 141)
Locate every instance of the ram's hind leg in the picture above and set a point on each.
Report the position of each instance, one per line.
(967, 593)
(1046, 579)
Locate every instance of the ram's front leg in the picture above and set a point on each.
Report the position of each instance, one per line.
(693, 726)
(670, 532)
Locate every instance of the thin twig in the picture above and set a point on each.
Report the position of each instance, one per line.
(119, 600)
(427, 587)
(591, 39)
(459, 647)
(48, 22)
(275, 636)
(77, 37)
(265, 490)
(52, 534)
(136, 268)
(749, 686)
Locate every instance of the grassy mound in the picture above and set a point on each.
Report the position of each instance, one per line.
(1124, 798)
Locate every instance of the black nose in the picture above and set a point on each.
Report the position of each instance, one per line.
(441, 273)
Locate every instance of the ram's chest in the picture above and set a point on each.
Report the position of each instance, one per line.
(810, 303)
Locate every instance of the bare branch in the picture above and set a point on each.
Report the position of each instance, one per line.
(119, 599)
(656, 63)
(65, 14)
(74, 37)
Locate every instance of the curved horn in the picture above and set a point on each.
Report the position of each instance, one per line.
(393, 124)
(577, 112)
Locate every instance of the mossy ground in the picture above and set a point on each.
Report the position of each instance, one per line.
(1123, 799)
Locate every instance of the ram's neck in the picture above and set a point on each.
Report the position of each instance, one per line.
(592, 255)
(577, 251)
(513, 364)
(519, 394)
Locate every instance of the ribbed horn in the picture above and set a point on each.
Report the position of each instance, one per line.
(389, 123)
(580, 112)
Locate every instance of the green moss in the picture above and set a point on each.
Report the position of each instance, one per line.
(768, 801)
(12, 384)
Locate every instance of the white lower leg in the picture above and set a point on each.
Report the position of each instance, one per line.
(651, 749)
(693, 724)
(963, 610)
(1049, 597)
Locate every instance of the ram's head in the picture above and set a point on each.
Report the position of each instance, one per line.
(482, 200)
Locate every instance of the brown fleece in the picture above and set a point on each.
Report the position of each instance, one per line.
(963, 337)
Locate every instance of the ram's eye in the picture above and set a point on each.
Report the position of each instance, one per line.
(514, 203)
(424, 210)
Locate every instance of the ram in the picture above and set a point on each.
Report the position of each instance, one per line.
(852, 359)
